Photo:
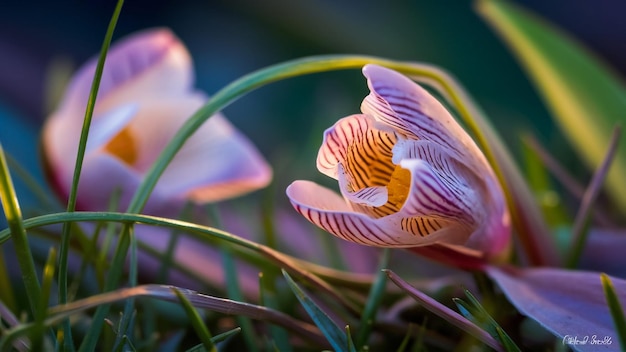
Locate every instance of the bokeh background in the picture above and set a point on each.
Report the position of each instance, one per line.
(42, 42)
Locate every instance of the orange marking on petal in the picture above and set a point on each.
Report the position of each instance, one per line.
(123, 147)
(398, 187)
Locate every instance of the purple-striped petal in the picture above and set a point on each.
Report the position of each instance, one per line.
(329, 211)
(409, 176)
(403, 105)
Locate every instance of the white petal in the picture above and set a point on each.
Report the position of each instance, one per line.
(216, 163)
(329, 211)
(106, 126)
(148, 63)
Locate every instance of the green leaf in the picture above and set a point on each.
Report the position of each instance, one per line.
(373, 300)
(196, 322)
(585, 97)
(333, 333)
(617, 312)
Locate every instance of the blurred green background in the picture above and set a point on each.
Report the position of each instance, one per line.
(41, 42)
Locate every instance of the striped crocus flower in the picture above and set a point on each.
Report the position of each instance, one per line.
(409, 176)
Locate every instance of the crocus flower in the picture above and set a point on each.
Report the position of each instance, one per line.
(409, 176)
(145, 95)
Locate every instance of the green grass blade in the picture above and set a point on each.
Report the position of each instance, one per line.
(580, 228)
(115, 272)
(373, 300)
(23, 253)
(40, 313)
(163, 292)
(481, 317)
(71, 204)
(526, 216)
(268, 298)
(232, 283)
(351, 346)
(333, 333)
(126, 325)
(196, 321)
(585, 96)
(202, 233)
(446, 313)
(226, 335)
(617, 311)
(7, 296)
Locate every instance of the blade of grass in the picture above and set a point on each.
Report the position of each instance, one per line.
(126, 325)
(232, 282)
(46, 288)
(163, 292)
(333, 333)
(586, 97)
(446, 313)
(579, 229)
(351, 346)
(226, 335)
(115, 273)
(71, 203)
(6, 295)
(196, 321)
(42, 195)
(202, 233)
(525, 213)
(565, 179)
(373, 301)
(23, 253)
(268, 299)
(617, 312)
(475, 312)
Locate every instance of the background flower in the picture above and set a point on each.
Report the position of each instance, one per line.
(145, 95)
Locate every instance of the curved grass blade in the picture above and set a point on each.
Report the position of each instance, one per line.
(446, 313)
(163, 292)
(196, 321)
(580, 229)
(13, 215)
(585, 97)
(332, 332)
(526, 216)
(617, 312)
(202, 233)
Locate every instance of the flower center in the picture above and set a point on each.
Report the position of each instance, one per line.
(123, 147)
(398, 187)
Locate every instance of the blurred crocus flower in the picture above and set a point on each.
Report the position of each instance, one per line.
(409, 176)
(145, 95)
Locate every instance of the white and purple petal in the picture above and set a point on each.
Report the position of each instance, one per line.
(332, 213)
(407, 107)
